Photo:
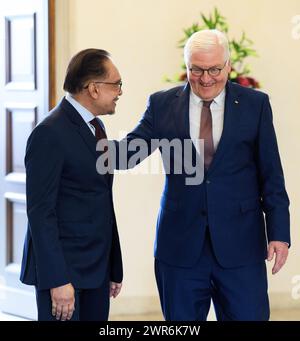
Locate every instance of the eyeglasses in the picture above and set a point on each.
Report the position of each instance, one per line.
(116, 85)
(212, 71)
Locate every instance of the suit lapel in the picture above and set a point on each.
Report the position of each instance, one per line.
(88, 138)
(232, 114)
(81, 126)
(180, 112)
(85, 133)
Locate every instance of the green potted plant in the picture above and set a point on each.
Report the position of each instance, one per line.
(240, 49)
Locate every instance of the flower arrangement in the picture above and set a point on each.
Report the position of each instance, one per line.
(240, 49)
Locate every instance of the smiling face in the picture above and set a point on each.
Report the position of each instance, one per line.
(109, 91)
(208, 87)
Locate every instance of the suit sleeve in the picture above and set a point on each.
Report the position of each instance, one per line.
(116, 268)
(274, 196)
(44, 162)
(139, 143)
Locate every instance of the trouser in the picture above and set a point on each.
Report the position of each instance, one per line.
(90, 304)
(237, 293)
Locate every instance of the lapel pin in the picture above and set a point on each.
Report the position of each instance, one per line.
(236, 102)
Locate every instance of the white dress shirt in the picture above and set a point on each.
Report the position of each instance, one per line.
(217, 113)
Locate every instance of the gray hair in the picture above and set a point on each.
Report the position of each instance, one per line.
(204, 40)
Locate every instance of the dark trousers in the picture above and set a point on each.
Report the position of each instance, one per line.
(237, 293)
(90, 304)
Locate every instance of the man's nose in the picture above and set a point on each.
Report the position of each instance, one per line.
(205, 77)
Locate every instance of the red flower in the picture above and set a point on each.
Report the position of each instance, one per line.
(246, 81)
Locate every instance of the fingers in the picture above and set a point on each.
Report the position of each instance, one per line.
(56, 310)
(63, 302)
(281, 251)
(115, 289)
(279, 262)
(53, 309)
(70, 311)
(63, 312)
(271, 250)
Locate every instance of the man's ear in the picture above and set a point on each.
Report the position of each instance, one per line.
(93, 90)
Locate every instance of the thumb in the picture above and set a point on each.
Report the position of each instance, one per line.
(271, 251)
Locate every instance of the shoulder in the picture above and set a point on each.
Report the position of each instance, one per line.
(163, 97)
(250, 93)
(51, 127)
(167, 93)
(56, 120)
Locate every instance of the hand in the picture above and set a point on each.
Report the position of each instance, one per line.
(115, 289)
(63, 302)
(281, 249)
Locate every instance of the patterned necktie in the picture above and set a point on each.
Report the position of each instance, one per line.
(206, 133)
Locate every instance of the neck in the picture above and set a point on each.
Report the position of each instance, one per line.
(85, 102)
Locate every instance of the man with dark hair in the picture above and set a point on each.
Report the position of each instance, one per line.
(72, 253)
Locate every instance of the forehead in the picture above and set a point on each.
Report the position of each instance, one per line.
(112, 71)
(206, 58)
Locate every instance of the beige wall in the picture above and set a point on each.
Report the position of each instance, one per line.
(142, 37)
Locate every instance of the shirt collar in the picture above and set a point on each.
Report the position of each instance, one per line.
(86, 115)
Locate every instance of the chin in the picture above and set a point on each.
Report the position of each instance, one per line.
(208, 93)
(110, 112)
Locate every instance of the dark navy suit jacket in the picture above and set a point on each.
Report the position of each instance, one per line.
(242, 199)
(72, 233)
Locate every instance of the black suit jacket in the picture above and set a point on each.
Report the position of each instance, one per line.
(72, 233)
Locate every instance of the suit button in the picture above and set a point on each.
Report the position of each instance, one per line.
(204, 213)
(208, 182)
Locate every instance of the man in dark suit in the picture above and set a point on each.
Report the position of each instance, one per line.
(72, 253)
(213, 237)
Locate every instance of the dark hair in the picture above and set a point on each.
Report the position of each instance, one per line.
(85, 65)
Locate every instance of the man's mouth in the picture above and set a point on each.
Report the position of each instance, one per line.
(207, 85)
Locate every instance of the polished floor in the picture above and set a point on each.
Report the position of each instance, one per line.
(276, 315)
